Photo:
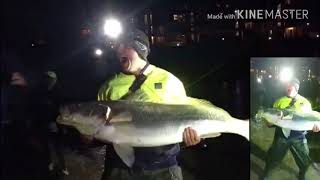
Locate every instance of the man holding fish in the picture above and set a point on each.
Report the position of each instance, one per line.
(141, 81)
(286, 138)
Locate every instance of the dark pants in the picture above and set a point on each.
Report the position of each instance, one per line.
(280, 147)
(171, 173)
(55, 146)
(24, 156)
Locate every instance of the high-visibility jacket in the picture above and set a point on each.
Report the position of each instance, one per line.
(301, 105)
(159, 87)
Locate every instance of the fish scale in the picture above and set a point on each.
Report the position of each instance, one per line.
(153, 124)
(141, 124)
(298, 121)
(179, 112)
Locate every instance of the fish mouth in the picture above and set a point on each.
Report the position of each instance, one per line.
(61, 119)
(82, 128)
(65, 117)
(259, 115)
(64, 111)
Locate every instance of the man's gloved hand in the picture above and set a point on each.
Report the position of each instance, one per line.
(190, 137)
(316, 128)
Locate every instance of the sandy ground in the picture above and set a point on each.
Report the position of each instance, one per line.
(82, 164)
(261, 140)
(226, 157)
(89, 162)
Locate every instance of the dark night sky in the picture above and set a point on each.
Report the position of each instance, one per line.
(59, 22)
(59, 16)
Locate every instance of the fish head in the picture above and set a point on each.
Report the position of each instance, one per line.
(87, 118)
(271, 115)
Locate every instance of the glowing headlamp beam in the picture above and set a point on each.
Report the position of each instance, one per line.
(286, 74)
(112, 28)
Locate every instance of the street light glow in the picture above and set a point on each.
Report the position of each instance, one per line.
(112, 28)
(98, 52)
(259, 80)
(286, 74)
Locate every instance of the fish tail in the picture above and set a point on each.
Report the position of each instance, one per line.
(240, 127)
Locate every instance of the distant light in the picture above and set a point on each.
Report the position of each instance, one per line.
(178, 44)
(290, 28)
(222, 39)
(279, 24)
(317, 35)
(269, 38)
(270, 76)
(175, 17)
(205, 145)
(308, 24)
(32, 44)
(112, 28)
(98, 52)
(259, 80)
(270, 31)
(286, 74)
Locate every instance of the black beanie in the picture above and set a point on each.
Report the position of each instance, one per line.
(139, 41)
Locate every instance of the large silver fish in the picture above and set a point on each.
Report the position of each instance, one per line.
(288, 119)
(129, 124)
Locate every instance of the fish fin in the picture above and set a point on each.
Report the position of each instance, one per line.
(126, 153)
(211, 135)
(196, 101)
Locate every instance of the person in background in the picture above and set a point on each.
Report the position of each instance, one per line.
(55, 132)
(24, 139)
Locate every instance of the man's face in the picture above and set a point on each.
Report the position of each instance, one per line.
(128, 58)
(291, 90)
